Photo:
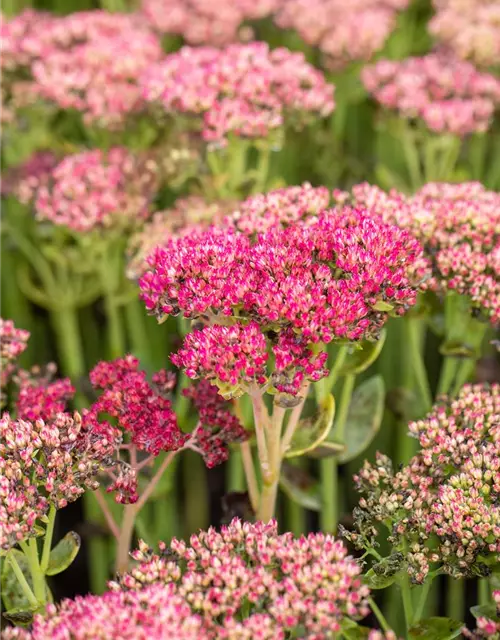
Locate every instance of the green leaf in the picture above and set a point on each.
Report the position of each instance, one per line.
(436, 629)
(326, 449)
(352, 630)
(374, 581)
(63, 554)
(300, 487)
(22, 616)
(485, 611)
(363, 418)
(363, 357)
(381, 305)
(311, 432)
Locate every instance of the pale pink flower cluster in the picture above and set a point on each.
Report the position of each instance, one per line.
(192, 212)
(449, 95)
(43, 464)
(153, 613)
(12, 344)
(459, 226)
(96, 189)
(203, 23)
(283, 207)
(343, 31)
(23, 181)
(331, 276)
(487, 627)
(470, 28)
(273, 582)
(88, 61)
(244, 90)
(445, 502)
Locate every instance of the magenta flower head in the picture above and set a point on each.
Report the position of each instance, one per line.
(155, 612)
(246, 91)
(201, 23)
(97, 189)
(43, 464)
(444, 505)
(447, 94)
(39, 396)
(279, 581)
(344, 32)
(458, 225)
(470, 29)
(335, 276)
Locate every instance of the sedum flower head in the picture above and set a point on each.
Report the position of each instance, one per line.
(39, 396)
(245, 90)
(333, 276)
(155, 612)
(447, 94)
(97, 189)
(139, 407)
(470, 28)
(343, 32)
(45, 463)
(459, 227)
(201, 23)
(445, 502)
(281, 583)
(13, 342)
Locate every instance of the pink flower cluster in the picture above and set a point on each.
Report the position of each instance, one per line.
(333, 276)
(343, 31)
(12, 343)
(445, 502)
(447, 94)
(192, 212)
(87, 61)
(247, 578)
(43, 464)
(217, 426)
(243, 90)
(96, 189)
(23, 181)
(282, 207)
(470, 28)
(459, 226)
(155, 612)
(41, 397)
(202, 23)
(139, 407)
(487, 627)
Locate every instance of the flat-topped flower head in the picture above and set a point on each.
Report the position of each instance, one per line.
(459, 227)
(155, 612)
(279, 581)
(449, 95)
(46, 463)
(39, 396)
(97, 189)
(247, 91)
(280, 207)
(140, 408)
(202, 23)
(344, 32)
(470, 28)
(445, 502)
(192, 212)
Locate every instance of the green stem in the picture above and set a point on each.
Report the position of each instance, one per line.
(414, 329)
(135, 319)
(69, 343)
(267, 506)
(424, 593)
(329, 515)
(21, 578)
(38, 578)
(379, 615)
(295, 514)
(407, 601)
(448, 375)
(116, 337)
(455, 598)
(235, 471)
(125, 539)
(483, 591)
(47, 542)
